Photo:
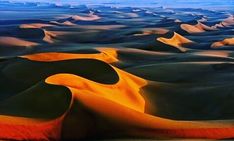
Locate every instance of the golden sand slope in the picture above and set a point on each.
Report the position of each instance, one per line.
(35, 25)
(198, 28)
(108, 55)
(12, 41)
(225, 42)
(176, 41)
(122, 106)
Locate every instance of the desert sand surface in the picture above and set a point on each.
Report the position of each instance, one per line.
(99, 72)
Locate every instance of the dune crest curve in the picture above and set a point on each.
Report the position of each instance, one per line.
(176, 41)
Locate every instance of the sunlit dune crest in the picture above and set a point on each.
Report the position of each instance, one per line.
(12, 41)
(225, 42)
(108, 55)
(90, 17)
(128, 107)
(150, 31)
(176, 41)
(66, 23)
(50, 36)
(35, 25)
(229, 21)
(226, 22)
(198, 28)
(125, 92)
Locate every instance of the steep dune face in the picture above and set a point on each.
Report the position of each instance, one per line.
(108, 55)
(225, 42)
(177, 41)
(12, 41)
(198, 28)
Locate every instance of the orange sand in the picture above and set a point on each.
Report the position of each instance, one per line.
(198, 28)
(108, 55)
(225, 42)
(35, 25)
(176, 41)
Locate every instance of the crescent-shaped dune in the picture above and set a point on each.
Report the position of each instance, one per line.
(176, 41)
(225, 42)
(12, 41)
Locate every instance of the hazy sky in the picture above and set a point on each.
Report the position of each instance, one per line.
(167, 3)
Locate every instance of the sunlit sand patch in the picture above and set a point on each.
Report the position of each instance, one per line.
(66, 23)
(177, 41)
(89, 17)
(35, 25)
(214, 53)
(225, 42)
(12, 41)
(226, 22)
(150, 31)
(108, 55)
(50, 36)
(198, 28)
(178, 21)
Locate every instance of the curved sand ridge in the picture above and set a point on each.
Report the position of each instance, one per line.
(198, 28)
(108, 55)
(115, 106)
(12, 41)
(177, 41)
(225, 42)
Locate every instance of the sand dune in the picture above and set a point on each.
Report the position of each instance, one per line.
(115, 73)
(108, 55)
(66, 23)
(198, 28)
(150, 31)
(225, 42)
(226, 22)
(100, 27)
(177, 41)
(90, 17)
(50, 36)
(12, 41)
(35, 25)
